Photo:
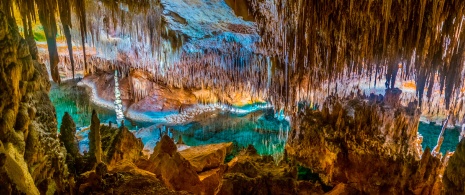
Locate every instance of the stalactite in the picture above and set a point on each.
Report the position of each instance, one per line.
(314, 46)
(80, 7)
(47, 9)
(414, 33)
(65, 18)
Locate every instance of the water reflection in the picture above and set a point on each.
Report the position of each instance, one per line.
(254, 124)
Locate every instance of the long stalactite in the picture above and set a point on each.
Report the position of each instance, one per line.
(320, 39)
(65, 18)
(311, 45)
(47, 9)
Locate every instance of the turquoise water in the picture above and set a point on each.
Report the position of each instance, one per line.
(68, 97)
(259, 128)
(253, 125)
(430, 135)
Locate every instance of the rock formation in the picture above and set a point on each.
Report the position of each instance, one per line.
(68, 134)
(68, 138)
(171, 168)
(32, 159)
(249, 173)
(95, 143)
(171, 54)
(208, 156)
(339, 141)
(454, 176)
(124, 147)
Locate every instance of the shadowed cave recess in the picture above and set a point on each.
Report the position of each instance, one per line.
(232, 97)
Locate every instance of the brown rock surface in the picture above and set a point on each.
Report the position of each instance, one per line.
(95, 140)
(171, 168)
(125, 178)
(34, 160)
(212, 179)
(347, 135)
(207, 156)
(454, 176)
(249, 173)
(124, 147)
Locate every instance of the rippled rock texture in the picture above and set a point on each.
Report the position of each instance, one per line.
(368, 144)
(32, 158)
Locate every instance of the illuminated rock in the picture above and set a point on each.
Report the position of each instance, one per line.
(339, 141)
(171, 168)
(123, 147)
(207, 156)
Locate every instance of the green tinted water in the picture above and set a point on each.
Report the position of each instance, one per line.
(430, 135)
(68, 97)
(257, 126)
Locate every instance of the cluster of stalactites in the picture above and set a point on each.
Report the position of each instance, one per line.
(138, 19)
(47, 11)
(323, 39)
(226, 74)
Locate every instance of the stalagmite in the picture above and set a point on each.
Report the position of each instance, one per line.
(437, 148)
(67, 134)
(462, 133)
(95, 144)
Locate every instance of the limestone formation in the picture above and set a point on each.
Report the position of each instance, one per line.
(68, 138)
(124, 147)
(249, 173)
(313, 61)
(32, 159)
(95, 144)
(454, 176)
(171, 168)
(207, 156)
(123, 179)
(339, 141)
(180, 142)
(67, 134)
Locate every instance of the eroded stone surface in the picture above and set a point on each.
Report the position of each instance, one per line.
(249, 173)
(341, 140)
(124, 147)
(454, 176)
(171, 168)
(207, 156)
(33, 158)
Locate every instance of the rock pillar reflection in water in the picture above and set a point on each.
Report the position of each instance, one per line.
(118, 102)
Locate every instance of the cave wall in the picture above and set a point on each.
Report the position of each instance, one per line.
(32, 158)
